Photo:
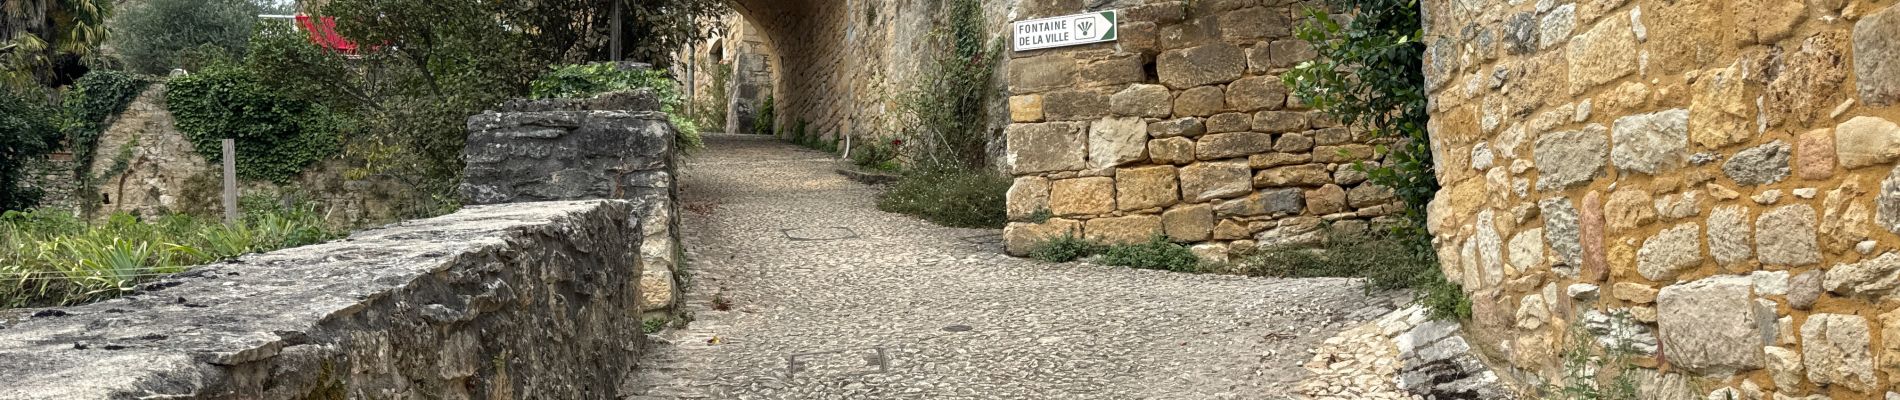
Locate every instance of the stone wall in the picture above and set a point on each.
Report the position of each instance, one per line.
(158, 160)
(1721, 172)
(1182, 128)
(530, 300)
(614, 146)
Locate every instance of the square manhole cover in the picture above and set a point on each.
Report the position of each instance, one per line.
(822, 233)
(837, 364)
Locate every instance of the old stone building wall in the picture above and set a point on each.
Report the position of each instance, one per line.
(142, 163)
(1716, 177)
(1181, 128)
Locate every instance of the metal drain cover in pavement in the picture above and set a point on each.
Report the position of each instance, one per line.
(837, 364)
(824, 233)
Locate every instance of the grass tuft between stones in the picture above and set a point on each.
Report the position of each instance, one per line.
(1157, 253)
(1386, 261)
(956, 198)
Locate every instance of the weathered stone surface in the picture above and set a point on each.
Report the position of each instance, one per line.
(1293, 143)
(1604, 53)
(1836, 350)
(1866, 141)
(1629, 209)
(1046, 147)
(1877, 57)
(1814, 156)
(1254, 23)
(1115, 70)
(1368, 195)
(1729, 235)
(1569, 158)
(1028, 196)
(1082, 196)
(1873, 277)
(1215, 180)
(1345, 153)
(1075, 104)
(1266, 202)
(1527, 249)
(1596, 265)
(1561, 229)
(1521, 33)
(1349, 175)
(1804, 289)
(1173, 150)
(1784, 366)
(1200, 102)
(604, 154)
(1040, 73)
(1708, 325)
(1122, 230)
(1651, 143)
(1809, 81)
(1634, 292)
(1256, 93)
(1019, 238)
(1152, 101)
(1720, 113)
(1557, 25)
(1786, 236)
(1887, 201)
(1218, 146)
(1280, 121)
(1116, 142)
(1145, 187)
(423, 306)
(1889, 348)
(1766, 21)
(1298, 175)
(1296, 230)
(1326, 200)
(1027, 108)
(1188, 223)
(1189, 127)
(1670, 252)
(1228, 229)
(1759, 165)
(1270, 160)
(1229, 122)
(1201, 65)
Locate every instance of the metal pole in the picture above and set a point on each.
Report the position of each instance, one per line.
(619, 14)
(230, 182)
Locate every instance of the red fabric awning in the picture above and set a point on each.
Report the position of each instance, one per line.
(323, 33)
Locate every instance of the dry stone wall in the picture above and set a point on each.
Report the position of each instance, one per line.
(528, 300)
(1710, 182)
(1181, 128)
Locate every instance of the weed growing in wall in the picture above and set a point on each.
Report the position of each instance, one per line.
(944, 127)
(1369, 74)
(1157, 253)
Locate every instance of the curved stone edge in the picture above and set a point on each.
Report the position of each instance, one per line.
(491, 301)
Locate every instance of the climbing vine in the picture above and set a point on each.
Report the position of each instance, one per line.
(1369, 75)
(947, 109)
(97, 100)
(277, 136)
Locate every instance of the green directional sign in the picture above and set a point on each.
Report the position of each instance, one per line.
(1067, 30)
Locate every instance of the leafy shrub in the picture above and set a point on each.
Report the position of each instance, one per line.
(27, 133)
(1065, 248)
(154, 36)
(768, 115)
(52, 258)
(586, 80)
(277, 135)
(877, 156)
(1157, 253)
(964, 199)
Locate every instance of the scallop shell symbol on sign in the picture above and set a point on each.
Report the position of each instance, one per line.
(1093, 26)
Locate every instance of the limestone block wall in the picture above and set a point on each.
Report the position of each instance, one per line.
(1182, 128)
(528, 300)
(1721, 172)
(613, 146)
(161, 160)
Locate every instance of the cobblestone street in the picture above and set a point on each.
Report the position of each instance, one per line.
(800, 288)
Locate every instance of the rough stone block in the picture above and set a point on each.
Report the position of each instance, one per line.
(1670, 252)
(1628, 209)
(1720, 111)
(1345, 153)
(1255, 23)
(1145, 187)
(605, 154)
(1122, 230)
(1604, 53)
(1201, 65)
(1874, 277)
(1298, 175)
(1293, 143)
(1190, 127)
(1708, 325)
(1866, 141)
(1075, 104)
(1651, 143)
(1027, 197)
(1280, 121)
(1368, 195)
(1256, 93)
(1266, 202)
(1027, 108)
(1229, 122)
(1836, 349)
(1082, 196)
(1019, 238)
(1205, 181)
(1327, 199)
(1270, 160)
(1120, 69)
(1229, 145)
(1814, 156)
(1173, 150)
(1116, 142)
(1046, 147)
(1561, 228)
(1786, 236)
(1041, 73)
(1569, 158)
(1188, 223)
(1200, 102)
(1152, 101)
(1729, 235)
(1877, 57)
(1759, 165)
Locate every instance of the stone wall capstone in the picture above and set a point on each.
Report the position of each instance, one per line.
(530, 300)
(1185, 118)
(1722, 172)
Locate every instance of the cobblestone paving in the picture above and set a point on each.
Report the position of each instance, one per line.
(801, 289)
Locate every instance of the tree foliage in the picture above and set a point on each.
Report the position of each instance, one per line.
(277, 136)
(43, 43)
(27, 133)
(155, 36)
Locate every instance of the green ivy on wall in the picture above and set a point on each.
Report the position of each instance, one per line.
(277, 135)
(97, 100)
(586, 80)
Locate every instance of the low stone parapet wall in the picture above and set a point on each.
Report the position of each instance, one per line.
(518, 300)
